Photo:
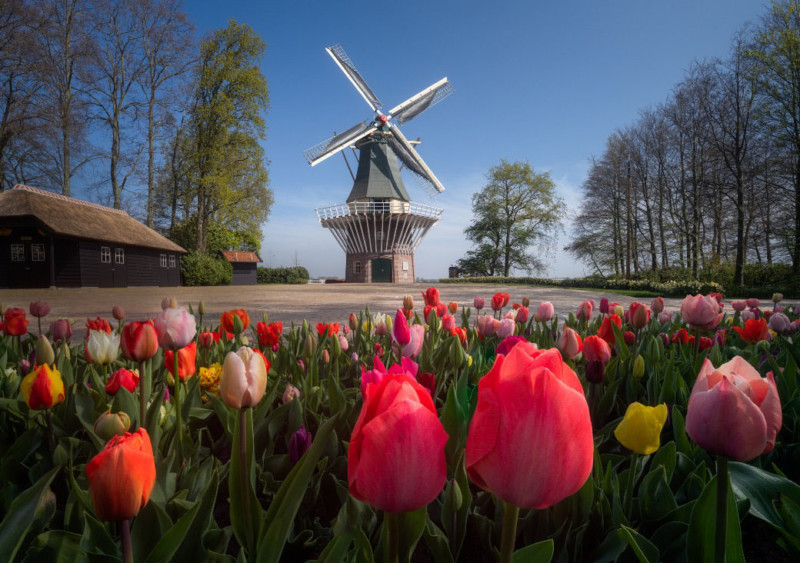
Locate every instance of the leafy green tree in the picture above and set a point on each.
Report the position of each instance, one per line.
(516, 213)
(228, 175)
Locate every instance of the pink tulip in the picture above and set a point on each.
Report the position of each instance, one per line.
(448, 322)
(414, 346)
(665, 317)
(61, 329)
(118, 312)
(585, 310)
(39, 309)
(175, 328)
(747, 315)
(400, 331)
(506, 328)
(733, 411)
(657, 305)
(344, 344)
(739, 306)
(479, 303)
(570, 343)
(290, 393)
(753, 303)
(639, 315)
(486, 325)
(530, 397)
(545, 312)
(244, 378)
(701, 311)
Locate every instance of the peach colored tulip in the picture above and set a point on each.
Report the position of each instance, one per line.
(244, 378)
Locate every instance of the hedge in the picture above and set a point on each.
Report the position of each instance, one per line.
(296, 274)
(205, 269)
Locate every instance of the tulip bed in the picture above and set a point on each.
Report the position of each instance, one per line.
(445, 432)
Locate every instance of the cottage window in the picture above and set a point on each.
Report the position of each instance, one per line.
(37, 253)
(356, 267)
(171, 260)
(17, 252)
(119, 255)
(105, 254)
(163, 259)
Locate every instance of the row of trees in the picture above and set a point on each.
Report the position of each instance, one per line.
(118, 96)
(711, 176)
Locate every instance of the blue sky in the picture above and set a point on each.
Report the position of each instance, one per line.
(545, 82)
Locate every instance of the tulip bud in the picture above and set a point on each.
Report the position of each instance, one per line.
(408, 302)
(638, 367)
(657, 305)
(326, 356)
(2, 308)
(343, 343)
(309, 345)
(111, 424)
(353, 321)
(452, 307)
(777, 297)
(201, 309)
(619, 311)
(169, 303)
(299, 444)
(118, 312)
(60, 329)
(526, 302)
(456, 353)
(479, 303)
(603, 308)
(44, 351)
(290, 393)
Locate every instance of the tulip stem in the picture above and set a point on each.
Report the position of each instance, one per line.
(142, 395)
(127, 547)
(507, 541)
(631, 481)
(244, 474)
(722, 509)
(179, 426)
(393, 535)
(48, 417)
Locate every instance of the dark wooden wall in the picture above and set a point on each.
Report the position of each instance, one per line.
(244, 273)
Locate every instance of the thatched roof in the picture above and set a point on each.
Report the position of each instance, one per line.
(240, 256)
(81, 219)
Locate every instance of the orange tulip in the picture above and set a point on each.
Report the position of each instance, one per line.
(121, 476)
(14, 322)
(227, 322)
(753, 331)
(186, 361)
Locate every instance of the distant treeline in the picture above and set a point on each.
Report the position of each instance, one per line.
(710, 178)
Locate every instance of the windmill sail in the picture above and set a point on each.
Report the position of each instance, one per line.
(408, 156)
(415, 105)
(355, 77)
(328, 148)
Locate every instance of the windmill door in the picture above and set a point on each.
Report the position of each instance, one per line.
(381, 270)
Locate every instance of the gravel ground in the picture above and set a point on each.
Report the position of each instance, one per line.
(285, 303)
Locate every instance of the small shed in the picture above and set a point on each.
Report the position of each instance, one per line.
(51, 240)
(244, 264)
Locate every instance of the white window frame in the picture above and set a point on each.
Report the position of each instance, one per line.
(357, 267)
(172, 261)
(378, 235)
(119, 255)
(17, 252)
(38, 252)
(163, 260)
(405, 265)
(105, 255)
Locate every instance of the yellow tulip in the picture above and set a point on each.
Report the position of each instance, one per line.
(640, 429)
(43, 388)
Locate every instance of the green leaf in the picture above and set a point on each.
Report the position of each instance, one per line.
(666, 457)
(644, 550)
(245, 509)
(410, 527)
(55, 547)
(21, 515)
(95, 539)
(655, 497)
(280, 516)
(436, 542)
(182, 541)
(149, 526)
(763, 489)
(702, 526)
(539, 552)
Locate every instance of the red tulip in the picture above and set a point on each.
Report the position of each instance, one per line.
(753, 331)
(208, 339)
(227, 322)
(43, 388)
(639, 315)
(701, 311)
(97, 324)
(508, 343)
(327, 328)
(500, 300)
(606, 332)
(585, 310)
(530, 397)
(139, 341)
(733, 411)
(705, 343)
(14, 322)
(121, 476)
(396, 459)
(269, 335)
(461, 332)
(186, 359)
(452, 307)
(630, 337)
(448, 322)
(596, 349)
(431, 296)
(122, 378)
(400, 331)
(682, 336)
(522, 315)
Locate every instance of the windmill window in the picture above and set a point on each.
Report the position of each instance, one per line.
(163, 260)
(378, 235)
(119, 255)
(37, 253)
(405, 265)
(105, 254)
(17, 252)
(356, 267)
(171, 260)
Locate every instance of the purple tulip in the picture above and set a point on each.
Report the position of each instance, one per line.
(298, 444)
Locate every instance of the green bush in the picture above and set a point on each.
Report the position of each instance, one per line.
(205, 269)
(297, 274)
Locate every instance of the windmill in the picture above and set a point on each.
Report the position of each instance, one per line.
(379, 227)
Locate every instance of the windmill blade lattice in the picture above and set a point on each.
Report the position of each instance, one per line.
(355, 77)
(408, 156)
(329, 147)
(415, 105)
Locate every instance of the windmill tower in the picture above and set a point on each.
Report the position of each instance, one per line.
(378, 226)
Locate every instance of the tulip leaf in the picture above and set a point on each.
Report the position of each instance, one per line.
(56, 546)
(644, 550)
(125, 402)
(22, 513)
(182, 541)
(655, 497)
(702, 525)
(279, 518)
(410, 526)
(539, 552)
(150, 524)
(96, 539)
(666, 457)
(766, 492)
(436, 542)
(245, 509)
